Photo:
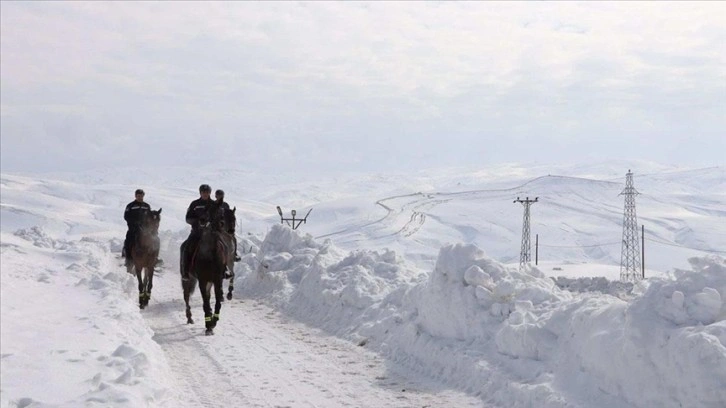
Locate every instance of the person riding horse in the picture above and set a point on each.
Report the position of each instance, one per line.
(219, 196)
(133, 215)
(199, 211)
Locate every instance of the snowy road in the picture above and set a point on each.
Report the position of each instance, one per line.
(258, 358)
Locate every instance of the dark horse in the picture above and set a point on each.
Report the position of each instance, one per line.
(207, 267)
(229, 240)
(144, 253)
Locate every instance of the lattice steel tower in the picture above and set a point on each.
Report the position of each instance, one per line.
(525, 253)
(630, 267)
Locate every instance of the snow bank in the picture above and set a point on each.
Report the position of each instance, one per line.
(510, 336)
(467, 292)
(318, 281)
(665, 348)
(71, 333)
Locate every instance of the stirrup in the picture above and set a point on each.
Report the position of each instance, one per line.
(237, 258)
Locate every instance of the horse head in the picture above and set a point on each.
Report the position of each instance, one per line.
(203, 220)
(212, 220)
(151, 221)
(230, 220)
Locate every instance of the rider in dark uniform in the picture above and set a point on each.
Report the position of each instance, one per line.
(199, 209)
(134, 214)
(224, 206)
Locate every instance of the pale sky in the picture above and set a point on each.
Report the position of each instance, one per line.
(325, 86)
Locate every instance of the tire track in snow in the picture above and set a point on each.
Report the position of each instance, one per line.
(204, 380)
(257, 358)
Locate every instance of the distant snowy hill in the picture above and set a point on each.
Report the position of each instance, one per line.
(578, 217)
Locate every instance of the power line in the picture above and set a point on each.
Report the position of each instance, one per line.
(686, 247)
(647, 239)
(580, 246)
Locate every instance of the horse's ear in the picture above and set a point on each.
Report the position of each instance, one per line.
(159, 210)
(234, 209)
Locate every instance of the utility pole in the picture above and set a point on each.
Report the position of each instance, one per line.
(630, 266)
(525, 253)
(642, 245)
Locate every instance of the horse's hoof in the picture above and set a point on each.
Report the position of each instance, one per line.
(229, 296)
(190, 321)
(209, 332)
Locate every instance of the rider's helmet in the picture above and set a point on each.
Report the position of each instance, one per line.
(204, 188)
(219, 194)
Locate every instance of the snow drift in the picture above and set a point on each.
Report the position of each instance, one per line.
(511, 336)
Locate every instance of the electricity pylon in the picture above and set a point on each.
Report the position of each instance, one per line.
(630, 267)
(525, 255)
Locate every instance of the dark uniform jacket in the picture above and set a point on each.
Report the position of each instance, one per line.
(135, 212)
(223, 205)
(199, 209)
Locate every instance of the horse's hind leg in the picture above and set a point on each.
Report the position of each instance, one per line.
(230, 289)
(231, 280)
(218, 297)
(149, 283)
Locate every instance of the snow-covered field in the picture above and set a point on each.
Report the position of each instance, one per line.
(401, 290)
